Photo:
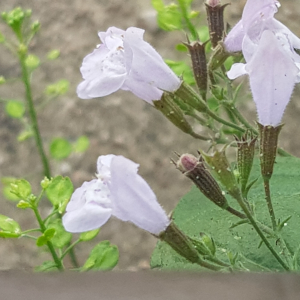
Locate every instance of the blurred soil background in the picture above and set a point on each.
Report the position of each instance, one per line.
(119, 124)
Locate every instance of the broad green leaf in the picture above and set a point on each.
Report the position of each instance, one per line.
(89, 235)
(15, 109)
(61, 237)
(82, 144)
(103, 257)
(59, 191)
(9, 228)
(195, 214)
(21, 188)
(60, 148)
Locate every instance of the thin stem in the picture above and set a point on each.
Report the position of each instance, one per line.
(222, 121)
(236, 213)
(33, 117)
(49, 244)
(70, 247)
(269, 203)
(190, 26)
(260, 233)
(199, 137)
(217, 261)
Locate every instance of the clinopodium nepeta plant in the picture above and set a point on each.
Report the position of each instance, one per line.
(240, 216)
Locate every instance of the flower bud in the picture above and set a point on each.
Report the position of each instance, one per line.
(245, 155)
(215, 20)
(194, 169)
(198, 57)
(268, 148)
(220, 165)
(167, 106)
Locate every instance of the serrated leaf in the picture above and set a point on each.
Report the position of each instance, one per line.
(195, 214)
(103, 257)
(9, 228)
(59, 190)
(61, 237)
(60, 148)
(15, 109)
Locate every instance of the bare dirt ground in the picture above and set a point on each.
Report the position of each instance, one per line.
(119, 123)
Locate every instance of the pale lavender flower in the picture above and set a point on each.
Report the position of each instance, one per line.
(125, 61)
(119, 191)
(271, 61)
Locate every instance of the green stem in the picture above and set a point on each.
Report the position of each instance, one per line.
(260, 233)
(269, 203)
(70, 247)
(32, 114)
(190, 26)
(49, 244)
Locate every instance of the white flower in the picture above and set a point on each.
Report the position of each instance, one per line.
(125, 61)
(118, 191)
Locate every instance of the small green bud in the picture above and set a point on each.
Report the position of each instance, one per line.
(32, 61)
(209, 242)
(194, 14)
(23, 204)
(31, 198)
(15, 19)
(58, 88)
(2, 79)
(45, 183)
(28, 13)
(89, 235)
(35, 26)
(54, 54)
(22, 50)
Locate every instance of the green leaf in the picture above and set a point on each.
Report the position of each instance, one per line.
(158, 5)
(103, 257)
(82, 144)
(45, 237)
(180, 68)
(53, 54)
(89, 235)
(61, 238)
(169, 18)
(59, 191)
(60, 148)
(15, 109)
(48, 265)
(6, 190)
(21, 188)
(195, 214)
(9, 228)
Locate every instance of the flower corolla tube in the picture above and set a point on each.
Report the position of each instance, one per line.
(272, 63)
(118, 191)
(125, 61)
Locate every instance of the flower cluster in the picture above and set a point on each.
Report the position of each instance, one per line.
(271, 61)
(118, 191)
(125, 61)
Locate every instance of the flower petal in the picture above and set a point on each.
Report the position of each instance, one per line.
(112, 38)
(89, 208)
(104, 73)
(103, 166)
(272, 78)
(233, 41)
(237, 70)
(91, 216)
(133, 199)
(143, 63)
